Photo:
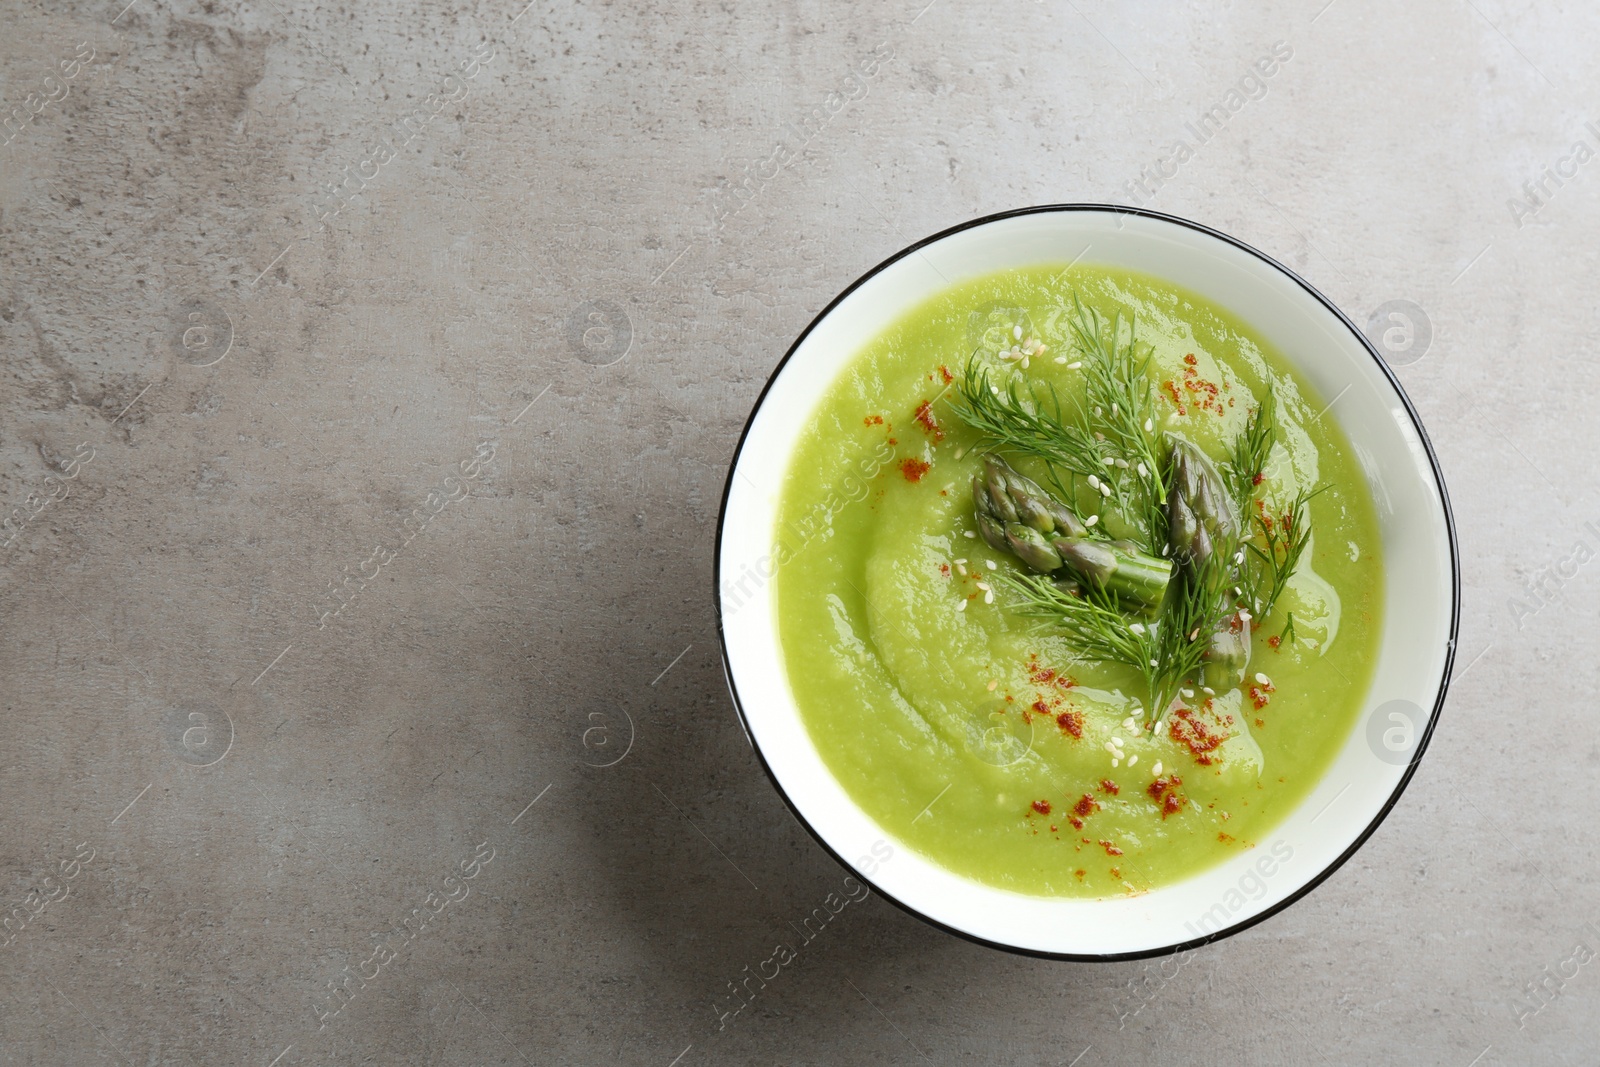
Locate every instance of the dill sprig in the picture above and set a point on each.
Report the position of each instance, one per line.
(1092, 622)
(1165, 652)
(1247, 458)
(1193, 613)
(1282, 542)
(1023, 417)
(1121, 397)
(1111, 443)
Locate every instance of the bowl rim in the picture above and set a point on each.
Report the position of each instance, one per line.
(1446, 671)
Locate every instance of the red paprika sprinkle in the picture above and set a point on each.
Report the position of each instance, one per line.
(913, 469)
(1193, 733)
(1164, 791)
(1177, 398)
(1042, 807)
(925, 416)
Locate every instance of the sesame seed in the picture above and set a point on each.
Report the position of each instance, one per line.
(1024, 362)
(1116, 762)
(1115, 740)
(1061, 359)
(993, 686)
(1091, 520)
(1153, 663)
(992, 565)
(1136, 627)
(961, 605)
(1075, 364)
(961, 560)
(1099, 413)
(1156, 770)
(1208, 691)
(995, 389)
(1105, 490)
(1122, 464)
(1188, 694)
(1262, 679)
(1143, 471)
(968, 533)
(1149, 424)
(962, 568)
(1111, 748)
(1016, 331)
(1133, 759)
(983, 585)
(1113, 409)
(988, 597)
(1094, 483)
(1110, 462)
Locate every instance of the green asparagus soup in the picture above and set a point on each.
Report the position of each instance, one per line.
(1078, 584)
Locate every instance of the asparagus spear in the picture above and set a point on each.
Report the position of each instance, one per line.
(1200, 518)
(1117, 567)
(1015, 515)
(1202, 524)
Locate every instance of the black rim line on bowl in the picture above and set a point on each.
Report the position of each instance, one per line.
(1450, 530)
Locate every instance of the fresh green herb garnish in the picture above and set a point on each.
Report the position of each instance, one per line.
(1025, 418)
(1247, 459)
(1165, 652)
(1121, 397)
(1168, 618)
(1112, 445)
(1284, 541)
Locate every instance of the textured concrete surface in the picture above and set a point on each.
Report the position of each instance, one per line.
(364, 447)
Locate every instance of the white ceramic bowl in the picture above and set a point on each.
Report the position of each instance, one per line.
(1420, 602)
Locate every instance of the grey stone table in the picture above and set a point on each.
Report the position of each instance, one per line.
(370, 378)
